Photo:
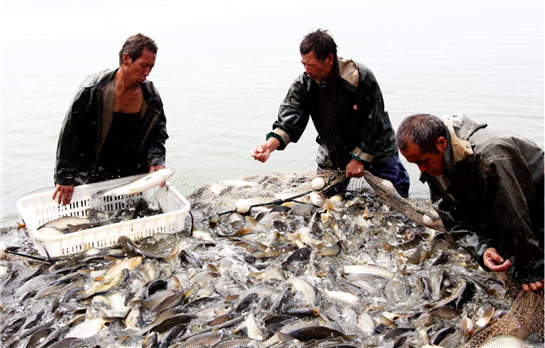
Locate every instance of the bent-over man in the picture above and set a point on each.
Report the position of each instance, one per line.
(487, 186)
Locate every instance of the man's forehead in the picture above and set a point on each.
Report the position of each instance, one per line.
(411, 151)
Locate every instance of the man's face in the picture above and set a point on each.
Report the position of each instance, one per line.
(136, 72)
(431, 163)
(316, 69)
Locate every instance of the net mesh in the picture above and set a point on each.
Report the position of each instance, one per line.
(526, 315)
(275, 188)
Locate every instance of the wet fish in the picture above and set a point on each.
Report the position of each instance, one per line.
(303, 210)
(61, 225)
(99, 287)
(234, 343)
(301, 254)
(282, 299)
(255, 331)
(458, 297)
(87, 328)
(304, 234)
(304, 287)
(207, 339)
(141, 184)
(501, 341)
(271, 273)
(132, 250)
(396, 289)
(344, 297)
(331, 250)
(368, 269)
(314, 332)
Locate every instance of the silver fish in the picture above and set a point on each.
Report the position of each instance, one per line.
(368, 269)
(141, 184)
(504, 341)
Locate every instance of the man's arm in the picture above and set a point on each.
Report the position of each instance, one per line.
(510, 206)
(290, 124)
(158, 138)
(69, 136)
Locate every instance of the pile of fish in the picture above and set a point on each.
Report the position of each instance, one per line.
(339, 272)
(135, 209)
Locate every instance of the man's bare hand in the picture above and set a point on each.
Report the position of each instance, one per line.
(494, 261)
(154, 168)
(262, 152)
(354, 169)
(64, 193)
(533, 286)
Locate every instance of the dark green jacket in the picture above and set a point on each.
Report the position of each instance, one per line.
(348, 114)
(86, 126)
(493, 195)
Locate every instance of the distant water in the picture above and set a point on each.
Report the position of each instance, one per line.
(224, 67)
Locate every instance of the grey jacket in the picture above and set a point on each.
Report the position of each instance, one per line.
(492, 195)
(348, 114)
(86, 126)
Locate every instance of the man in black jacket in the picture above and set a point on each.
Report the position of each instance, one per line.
(345, 103)
(487, 187)
(115, 126)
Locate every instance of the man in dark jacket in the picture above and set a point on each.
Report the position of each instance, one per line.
(115, 126)
(345, 103)
(487, 187)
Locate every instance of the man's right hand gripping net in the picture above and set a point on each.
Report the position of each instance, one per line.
(526, 314)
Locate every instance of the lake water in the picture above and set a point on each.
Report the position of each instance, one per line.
(224, 67)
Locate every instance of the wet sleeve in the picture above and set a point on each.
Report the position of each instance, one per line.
(293, 115)
(158, 136)
(512, 188)
(69, 138)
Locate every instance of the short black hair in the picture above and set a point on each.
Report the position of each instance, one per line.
(422, 130)
(320, 42)
(135, 45)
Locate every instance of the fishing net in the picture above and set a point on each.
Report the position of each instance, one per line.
(277, 188)
(526, 315)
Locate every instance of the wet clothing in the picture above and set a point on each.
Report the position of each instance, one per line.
(348, 114)
(86, 142)
(491, 195)
(118, 157)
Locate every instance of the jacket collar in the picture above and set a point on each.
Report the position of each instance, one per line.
(347, 72)
(457, 149)
(459, 129)
(106, 85)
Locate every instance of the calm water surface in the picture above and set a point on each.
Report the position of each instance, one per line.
(223, 69)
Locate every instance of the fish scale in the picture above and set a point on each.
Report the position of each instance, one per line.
(209, 339)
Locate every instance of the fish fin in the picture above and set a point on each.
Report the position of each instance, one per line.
(261, 246)
(284, 337)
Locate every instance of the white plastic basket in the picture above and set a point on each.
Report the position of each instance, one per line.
(36, 210)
